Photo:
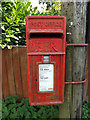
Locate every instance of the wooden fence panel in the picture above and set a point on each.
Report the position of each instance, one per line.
(14, 72)
(17, 72)
(23, 64)
(10, 75)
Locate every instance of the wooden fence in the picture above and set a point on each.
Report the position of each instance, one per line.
(14, 72)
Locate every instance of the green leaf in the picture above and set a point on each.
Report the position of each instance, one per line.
(8, 20)
(7, 39)
(14, 11)
(11, 99)
(12, 36)
(9, 46)
(3, 45)
(3, 28)
(3, 23)
(5, 112)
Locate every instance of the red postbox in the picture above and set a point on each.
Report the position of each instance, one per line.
(46, 42)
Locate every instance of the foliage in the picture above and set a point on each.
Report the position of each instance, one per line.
(14, 107)
(13, 22)
(86, 110)
(53, 8)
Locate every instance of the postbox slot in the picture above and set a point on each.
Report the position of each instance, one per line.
(49, 35)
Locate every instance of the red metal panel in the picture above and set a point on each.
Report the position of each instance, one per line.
(37, 48)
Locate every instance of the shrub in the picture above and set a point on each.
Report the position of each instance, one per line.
(13, 22)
